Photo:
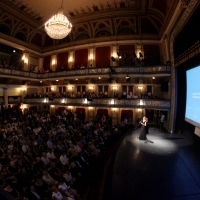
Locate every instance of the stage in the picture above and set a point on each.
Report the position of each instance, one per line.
(165, 166)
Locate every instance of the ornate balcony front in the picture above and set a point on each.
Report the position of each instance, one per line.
(88, 72)
(161, 104)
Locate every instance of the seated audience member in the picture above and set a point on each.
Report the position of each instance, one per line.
(33, 194)
(56, 194)
(67, 190)
(13, 192)
(64, 159)
(48, 179)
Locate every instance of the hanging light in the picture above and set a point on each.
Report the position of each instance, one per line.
(58, 26)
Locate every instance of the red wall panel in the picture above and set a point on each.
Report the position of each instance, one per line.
(81, 58)
(46, 63)
(102, 112)
(127, 53)
(103, 55)
(126, 114)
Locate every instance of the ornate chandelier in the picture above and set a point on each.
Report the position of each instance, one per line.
(58, 26)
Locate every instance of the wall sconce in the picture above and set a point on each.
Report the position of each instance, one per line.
(52, 106)
(140, 87)
(52, 88)
(90, 108)
(23, 106)
(114, 109)
(70, 60)
(112, 102)
(139, 110)
(70, 88)
(53, 62)
(115, 88)
(91, 57)
(90, 87)
(70, 108)
(141, 102)
(85, 101)
(26, 60)
(46, 100)
(63, 101)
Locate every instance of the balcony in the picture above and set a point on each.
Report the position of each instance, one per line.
(164, 70)
(161, 104)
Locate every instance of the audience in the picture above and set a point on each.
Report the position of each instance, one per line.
(50, 157)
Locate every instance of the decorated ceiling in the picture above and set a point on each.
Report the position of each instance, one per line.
(107, 19)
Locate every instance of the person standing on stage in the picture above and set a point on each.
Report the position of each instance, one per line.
(143, 129)
(162, 119)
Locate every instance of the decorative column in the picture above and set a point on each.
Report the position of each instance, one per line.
(91, 57)
(5, 95)
(40, 67)
(71, 59)
(114, 57)
(53, 62)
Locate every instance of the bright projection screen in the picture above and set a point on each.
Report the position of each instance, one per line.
(192, 112)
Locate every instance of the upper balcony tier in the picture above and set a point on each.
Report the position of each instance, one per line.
(132, 71)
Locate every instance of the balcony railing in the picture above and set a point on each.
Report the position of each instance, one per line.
(89, 72)
(188, 54)
(103, 102)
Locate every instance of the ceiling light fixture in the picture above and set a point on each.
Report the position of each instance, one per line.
(58, 26)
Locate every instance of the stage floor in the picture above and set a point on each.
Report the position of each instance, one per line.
(164, 167)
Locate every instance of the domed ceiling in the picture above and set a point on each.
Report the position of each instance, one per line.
(111, 19)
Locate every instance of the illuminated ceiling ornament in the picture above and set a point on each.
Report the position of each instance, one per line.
(58, 26)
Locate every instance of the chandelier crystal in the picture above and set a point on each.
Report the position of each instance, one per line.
(58, 26)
